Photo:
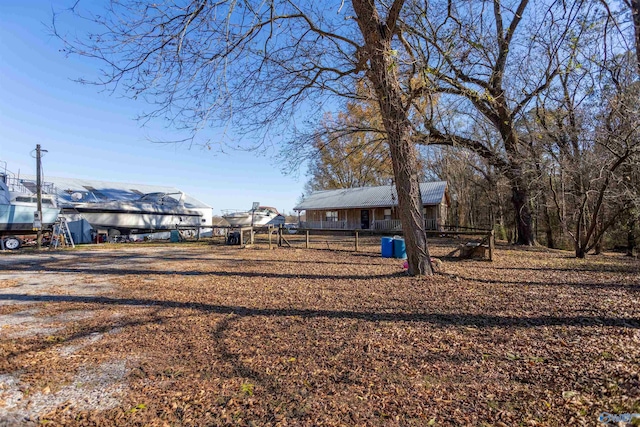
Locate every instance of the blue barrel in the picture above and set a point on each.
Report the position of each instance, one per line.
(386, 247)
(399, 248)
(174, 236)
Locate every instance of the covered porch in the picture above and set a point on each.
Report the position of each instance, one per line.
(380, 219)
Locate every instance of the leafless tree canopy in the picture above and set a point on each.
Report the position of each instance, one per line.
(575, 142)
(203, 63)
(536, 90)
(252, 65)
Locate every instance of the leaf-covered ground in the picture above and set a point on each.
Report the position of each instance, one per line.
(206, 335)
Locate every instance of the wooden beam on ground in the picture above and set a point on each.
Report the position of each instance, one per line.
(453, 252)
(281, 238)
(284, 240)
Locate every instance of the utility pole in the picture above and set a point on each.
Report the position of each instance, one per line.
(39, 194)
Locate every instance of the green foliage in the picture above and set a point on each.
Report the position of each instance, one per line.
(247, 388)
(137, 408)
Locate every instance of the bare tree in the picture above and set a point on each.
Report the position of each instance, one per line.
(253, 65)
(617, 18)
(590, 132)
(633, 6)
(488, 60)
(477, 190)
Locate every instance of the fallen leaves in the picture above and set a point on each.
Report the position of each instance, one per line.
(223, 336)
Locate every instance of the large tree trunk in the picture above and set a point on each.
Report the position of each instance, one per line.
(403, 153)
(514, 172)
(581, 251)
(551, 243)
(581, 242)
(382, 74)
(520, 200)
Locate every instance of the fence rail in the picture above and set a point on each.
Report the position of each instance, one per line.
(482, 244)
(326, 225)
(379, 224)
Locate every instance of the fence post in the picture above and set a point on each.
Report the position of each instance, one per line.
(357, 248)
(280, 235)
(307, 241)
(492, 244)
(269, 230)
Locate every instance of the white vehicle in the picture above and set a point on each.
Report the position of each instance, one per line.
(291, 228)
(18, 203)
(152, 212)
(262, 216)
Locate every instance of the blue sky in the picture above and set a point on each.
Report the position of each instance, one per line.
(93, 135)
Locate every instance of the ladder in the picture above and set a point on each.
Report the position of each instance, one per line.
(61, 236)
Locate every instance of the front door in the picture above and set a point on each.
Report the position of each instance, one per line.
(364, 219)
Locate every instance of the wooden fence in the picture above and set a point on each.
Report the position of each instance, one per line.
(483, 245)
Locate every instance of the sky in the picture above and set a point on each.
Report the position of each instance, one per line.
(93, 135)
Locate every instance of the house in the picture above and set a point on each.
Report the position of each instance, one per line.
(372, 208)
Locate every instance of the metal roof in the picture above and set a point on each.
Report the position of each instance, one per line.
(369, 197)
(105, 190)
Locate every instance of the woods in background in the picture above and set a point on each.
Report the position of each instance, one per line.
(531, 114)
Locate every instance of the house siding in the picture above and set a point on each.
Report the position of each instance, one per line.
(349, 204)
(351, 218)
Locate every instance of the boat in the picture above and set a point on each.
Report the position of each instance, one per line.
(18, 204)
(151, 212)
(259, 217)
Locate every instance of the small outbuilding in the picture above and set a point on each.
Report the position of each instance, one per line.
(371, 208)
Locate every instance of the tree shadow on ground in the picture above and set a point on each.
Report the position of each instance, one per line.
(599, 268)
(444, 319)
(595, 285)
(119, 271)
(44, 262)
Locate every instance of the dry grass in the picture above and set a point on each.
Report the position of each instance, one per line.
(213, 335)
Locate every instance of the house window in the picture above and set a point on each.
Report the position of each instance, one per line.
(387, 214)
(332, 216)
